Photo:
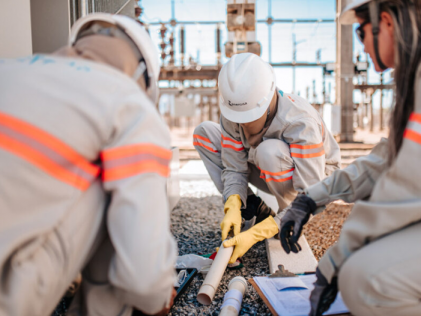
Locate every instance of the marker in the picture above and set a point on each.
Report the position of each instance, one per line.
(305, 273)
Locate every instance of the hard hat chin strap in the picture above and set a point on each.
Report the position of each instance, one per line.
(374, 18)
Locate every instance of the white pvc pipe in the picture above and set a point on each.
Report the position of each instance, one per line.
(214, 276)
(83, 8)
(234, 297)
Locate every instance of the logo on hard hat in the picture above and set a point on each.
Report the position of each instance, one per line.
(236, 104)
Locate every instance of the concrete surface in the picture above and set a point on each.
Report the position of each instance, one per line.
(304, 261)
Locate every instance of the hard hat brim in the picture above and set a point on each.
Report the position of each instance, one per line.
(246, 116)
(137, 34)
(348, 13)
(348, 18)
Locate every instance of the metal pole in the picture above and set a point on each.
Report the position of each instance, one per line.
(123, 6)
(172, 10)
(294, 53)
(182, 45)
(83, 8)
(371, 113)
(288, 21)
(75, 15)
(324, 88)
(218, 44)
(93, 5)
(381, 103)
(344, 75)
(314, 92)
(270, 31)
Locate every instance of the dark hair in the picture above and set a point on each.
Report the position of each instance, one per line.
(406, 16)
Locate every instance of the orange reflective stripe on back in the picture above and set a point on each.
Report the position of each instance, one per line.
(415, 117)
(130, 160)
(46, 152)
(413, 130)
(411, 135)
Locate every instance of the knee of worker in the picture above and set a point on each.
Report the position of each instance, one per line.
(359, 286)
(207, 138)
(273, 155)
(206, 129)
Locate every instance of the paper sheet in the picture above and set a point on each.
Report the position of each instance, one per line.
(288, 284)
(295, 302)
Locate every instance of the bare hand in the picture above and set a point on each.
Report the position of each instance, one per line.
(163, 312)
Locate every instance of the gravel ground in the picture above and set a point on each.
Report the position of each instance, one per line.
(324, 229)
(195, 225)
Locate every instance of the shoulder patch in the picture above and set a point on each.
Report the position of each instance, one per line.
(281, 92)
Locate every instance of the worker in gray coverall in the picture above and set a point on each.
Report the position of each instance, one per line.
(271, 139)
(84, 164)
(376, 263)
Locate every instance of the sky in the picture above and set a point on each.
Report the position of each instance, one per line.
(200, 39)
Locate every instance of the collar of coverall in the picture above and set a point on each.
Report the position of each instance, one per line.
(255, 139)
(113, 51)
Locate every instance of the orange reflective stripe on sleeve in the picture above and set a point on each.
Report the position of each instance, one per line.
(307, 151)
(227, 142)
(413, 130)
(204, 142)
(130, 160)
(46, 152)
(281, 176)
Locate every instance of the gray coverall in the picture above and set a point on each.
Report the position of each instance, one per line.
(63, 122)
(297, 151)
(378, 255)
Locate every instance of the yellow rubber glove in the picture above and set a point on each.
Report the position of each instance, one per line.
(232, 217)
(244, 241)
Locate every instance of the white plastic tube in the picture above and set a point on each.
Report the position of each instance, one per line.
(216, 271)
(234, 297)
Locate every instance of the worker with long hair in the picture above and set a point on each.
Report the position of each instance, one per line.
(376, 261)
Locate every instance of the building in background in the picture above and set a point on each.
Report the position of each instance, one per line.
(42, 26)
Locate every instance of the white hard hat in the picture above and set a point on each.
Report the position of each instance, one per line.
(137, 34)
(348, 13)
(246, 85)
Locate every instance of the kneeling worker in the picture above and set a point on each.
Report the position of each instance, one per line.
(86, 110)
(273, 140)
(375, 263)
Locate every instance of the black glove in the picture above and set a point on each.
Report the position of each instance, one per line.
(293, 221)
(323, 294)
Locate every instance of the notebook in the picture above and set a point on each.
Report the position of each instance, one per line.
(290, 296)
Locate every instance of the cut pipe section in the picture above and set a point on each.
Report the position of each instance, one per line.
(216, 271)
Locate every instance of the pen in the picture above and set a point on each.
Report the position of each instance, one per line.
(305, 273)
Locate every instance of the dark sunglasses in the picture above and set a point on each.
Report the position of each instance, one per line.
(360, 31)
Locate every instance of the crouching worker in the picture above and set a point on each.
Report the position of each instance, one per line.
(273, 140)
(84, 160)
(376, 261)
